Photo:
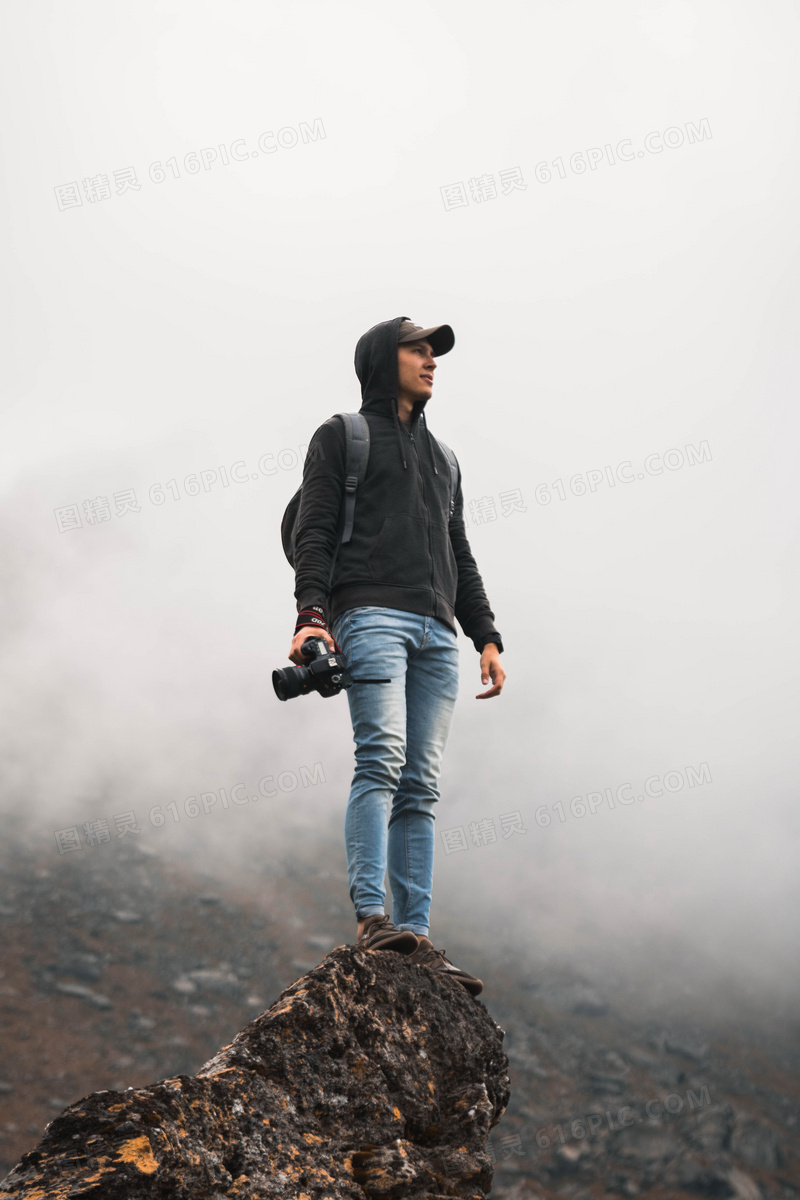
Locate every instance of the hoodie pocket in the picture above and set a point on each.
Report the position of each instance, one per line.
(400, 554)
(446, 565)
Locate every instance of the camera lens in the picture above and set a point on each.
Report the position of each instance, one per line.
(288, 682)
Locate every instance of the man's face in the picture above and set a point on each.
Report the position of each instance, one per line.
(415, 367)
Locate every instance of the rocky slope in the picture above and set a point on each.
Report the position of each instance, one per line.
(125, 966)
(370, 1076)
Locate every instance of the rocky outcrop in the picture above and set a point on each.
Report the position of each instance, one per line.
(369, 1076)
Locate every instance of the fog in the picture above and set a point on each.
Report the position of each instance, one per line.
(602, 202)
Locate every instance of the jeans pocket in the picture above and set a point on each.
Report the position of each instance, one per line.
(340, 626)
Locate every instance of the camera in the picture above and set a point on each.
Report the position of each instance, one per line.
(326, 673)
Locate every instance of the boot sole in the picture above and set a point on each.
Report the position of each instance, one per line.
(474, 986)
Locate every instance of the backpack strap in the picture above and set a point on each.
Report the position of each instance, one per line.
(356, 432)
(451, 458)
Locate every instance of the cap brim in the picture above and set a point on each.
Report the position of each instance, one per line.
(441, 338)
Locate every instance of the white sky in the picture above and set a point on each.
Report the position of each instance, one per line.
(619, 312)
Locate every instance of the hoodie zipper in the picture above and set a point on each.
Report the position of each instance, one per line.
(427, 514)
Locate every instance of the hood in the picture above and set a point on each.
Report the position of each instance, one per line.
(376, 368)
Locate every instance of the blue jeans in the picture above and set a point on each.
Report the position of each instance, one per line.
(400, 730)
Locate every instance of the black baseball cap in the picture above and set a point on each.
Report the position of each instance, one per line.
(441, 337)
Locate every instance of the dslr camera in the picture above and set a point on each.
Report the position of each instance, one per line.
(325, 673)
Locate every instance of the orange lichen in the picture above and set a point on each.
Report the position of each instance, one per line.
(140, 1153)
(287, 1004)
(98, 1175)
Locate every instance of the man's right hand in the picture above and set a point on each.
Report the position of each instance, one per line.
(305, 632)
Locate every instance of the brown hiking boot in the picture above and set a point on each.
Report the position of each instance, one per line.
(426, 956)
(380, 934)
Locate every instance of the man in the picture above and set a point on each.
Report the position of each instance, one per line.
(390, 597)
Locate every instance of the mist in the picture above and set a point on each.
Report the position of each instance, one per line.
(621, 397)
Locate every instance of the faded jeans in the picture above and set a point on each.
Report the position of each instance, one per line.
(400, 730)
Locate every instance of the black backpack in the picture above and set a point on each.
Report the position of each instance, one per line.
(357, 454)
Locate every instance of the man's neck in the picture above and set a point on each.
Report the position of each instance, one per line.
(404, 411)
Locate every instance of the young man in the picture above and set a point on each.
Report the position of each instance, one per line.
(390, 597)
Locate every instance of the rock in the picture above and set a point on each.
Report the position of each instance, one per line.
(757, 1143)
(613, 1061)
(327, 1093)
(743, 1186)
(687, 1047)
(87, 967)
(644, 1145)
(589, 1002)
(689, 1174)
(140, 1024)
(605, 1084)
(567, 1157)
(318, 941)
(667, 1075)
(709, 1129)
(185, 986)
(640, 1057)
(521, 1189)
(83, 993)
(75, 989)
(223, 982)
(618, 1181)
(576, 997)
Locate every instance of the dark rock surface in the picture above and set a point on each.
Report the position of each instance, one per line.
(369, 1076)
(652, 1097)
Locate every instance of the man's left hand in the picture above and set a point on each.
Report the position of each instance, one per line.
(491, 667)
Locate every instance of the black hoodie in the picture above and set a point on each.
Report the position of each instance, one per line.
(405, 551)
